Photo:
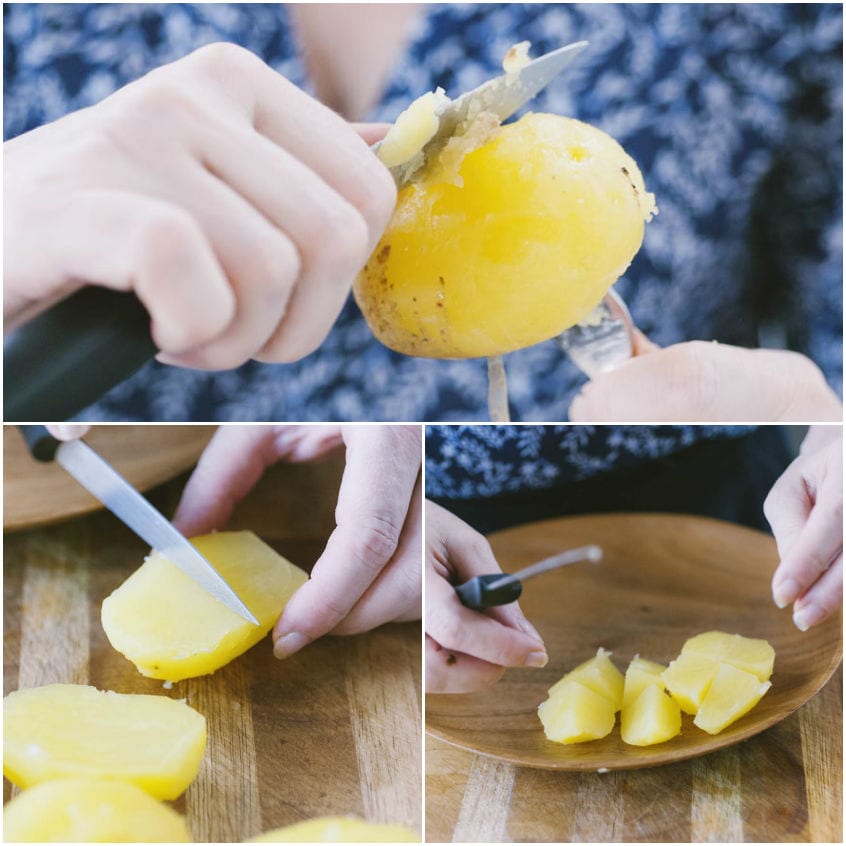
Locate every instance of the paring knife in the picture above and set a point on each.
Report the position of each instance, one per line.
(503, 96)
(501, 588)
(101, 480)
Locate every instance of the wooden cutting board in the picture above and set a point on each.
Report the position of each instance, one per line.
(663, 579)
(333, 730)
(35, 493)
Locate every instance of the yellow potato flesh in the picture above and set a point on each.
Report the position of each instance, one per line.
(688, 679)
(732, 694)
(640, 674)
(752, 655)
(171, 628)
(338, 830)
(513, 247)
(653, 717)
(77, 731)
(574, 713)
(600, 675)
(86, 811)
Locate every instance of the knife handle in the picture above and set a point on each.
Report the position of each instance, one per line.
(478, 595)
(41, 444)
(68, 356)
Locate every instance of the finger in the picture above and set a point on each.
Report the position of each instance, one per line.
(128, 241)
(330, 234)
(261, 263)
(453, 672)
(459, 629)
(396, 595)
(641, 345)
(704, 382)
(822, 599)
(371, 132)
(787, 508)
(68, 431)
(228, 469)
(818, 544)
(382, 465)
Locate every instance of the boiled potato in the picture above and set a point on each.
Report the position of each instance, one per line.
(511, 236)
(172, 629)
(90, 811)
(77, 731)
(338, 830)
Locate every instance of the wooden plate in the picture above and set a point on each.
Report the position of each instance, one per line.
(36, 493)
(663, 579)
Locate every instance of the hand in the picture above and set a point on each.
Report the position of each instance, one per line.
(707, 382)
(468, 650)
(805, 511)
(68, 431)
(235, 206)
(369, 572)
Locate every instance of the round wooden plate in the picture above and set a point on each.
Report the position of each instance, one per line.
(663, 578)
(35, 493)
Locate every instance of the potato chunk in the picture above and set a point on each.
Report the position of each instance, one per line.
(574, 713)
(504, 242)
(688, 679)
(338, 830)
(77, 731)
(90, 811)
(600, 675)
(652, 717)
(170, 628)
(752, 655)
(732, 694)
(640, 674)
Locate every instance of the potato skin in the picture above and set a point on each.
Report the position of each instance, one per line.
(519, 245)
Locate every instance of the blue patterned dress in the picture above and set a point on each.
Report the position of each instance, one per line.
(733, 112)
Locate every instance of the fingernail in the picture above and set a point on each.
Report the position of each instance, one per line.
(536, 659)
(785, 592)
(808, 616)
(288, 644)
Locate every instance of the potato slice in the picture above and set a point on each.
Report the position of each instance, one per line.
(90, 811)
(170, 628)
(77, 731)
(732, 694)
(640, 674)
(653, 717)
(574, 713)
(600, 675)
(338, 830)
(752, 655)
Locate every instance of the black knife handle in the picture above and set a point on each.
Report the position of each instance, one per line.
(42, 445)
(477, 593)
(68, 356)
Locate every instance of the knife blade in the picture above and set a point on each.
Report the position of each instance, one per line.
(503, 96)
(494, 589)
(100, 479)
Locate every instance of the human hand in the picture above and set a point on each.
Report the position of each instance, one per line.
(805, 511)
(369, 572)
(468, 650)
(235, 206)
(707, 382)
(68, 431)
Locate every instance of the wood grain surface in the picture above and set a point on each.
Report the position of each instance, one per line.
(782, 784)
(333, 730)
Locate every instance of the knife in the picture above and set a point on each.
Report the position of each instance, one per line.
(101, 480)
(501, 588)
(503, 96)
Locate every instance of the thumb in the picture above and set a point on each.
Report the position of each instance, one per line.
(641, 345)
(371, 132)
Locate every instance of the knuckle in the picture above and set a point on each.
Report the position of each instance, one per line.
(167, 234)
(694, 376)
(444, 627)
(274, 264)
(350, 240)
(223, 55)
(374, 541)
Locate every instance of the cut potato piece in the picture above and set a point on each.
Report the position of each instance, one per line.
(507, 238)
(172, 629)
(752, 655)
(575, 713)
(338, 830)
(76, 731)
(688, 679)
(600, 675)
(652, 717)
(90, 811)
(639, 675)
(732, 694)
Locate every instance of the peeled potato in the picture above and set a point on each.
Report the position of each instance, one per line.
(338, 830)
(86, 811)
(505, 240)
